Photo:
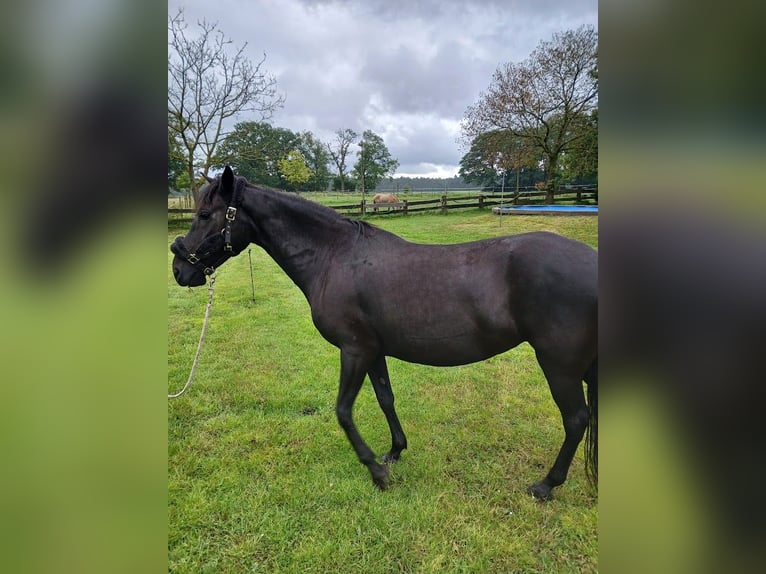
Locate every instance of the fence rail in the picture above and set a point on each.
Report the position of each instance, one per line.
(447, 202)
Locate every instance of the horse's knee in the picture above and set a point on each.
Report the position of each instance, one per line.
(576, 424)
(386, 401)
(343, 414)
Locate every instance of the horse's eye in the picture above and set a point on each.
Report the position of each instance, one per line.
(204, 214)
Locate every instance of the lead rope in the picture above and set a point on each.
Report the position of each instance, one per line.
(201, 339)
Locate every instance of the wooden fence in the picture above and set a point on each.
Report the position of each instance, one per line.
(447, 202)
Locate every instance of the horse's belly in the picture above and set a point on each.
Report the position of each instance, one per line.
(450, 350)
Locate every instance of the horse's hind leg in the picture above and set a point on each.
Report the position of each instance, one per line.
(382, 384)
(352, 370)
(567, 392)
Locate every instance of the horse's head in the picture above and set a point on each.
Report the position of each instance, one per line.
(216, 233)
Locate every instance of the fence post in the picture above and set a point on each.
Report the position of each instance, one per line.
(481, 202)
(361, 207)
(404, 209)
(444, 204)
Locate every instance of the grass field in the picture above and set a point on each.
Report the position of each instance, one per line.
(262, 479)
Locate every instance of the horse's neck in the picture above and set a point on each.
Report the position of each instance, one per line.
(298, 239)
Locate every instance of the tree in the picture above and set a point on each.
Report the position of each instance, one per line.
(496, 153)
(210, 81)
(540, 99)
(374, 162)
(338, 151)
(294, 169)
(176, 156)
(476, 166)
(580, 162)
(317, 159)
(254, 149)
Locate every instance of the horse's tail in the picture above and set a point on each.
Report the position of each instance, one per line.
(591, 433)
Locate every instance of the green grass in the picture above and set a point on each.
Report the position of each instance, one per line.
(262, 479)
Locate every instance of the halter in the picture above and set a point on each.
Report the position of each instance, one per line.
(203, 257)
(206, 250)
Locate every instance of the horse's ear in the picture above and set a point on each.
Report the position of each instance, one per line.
(227, 183)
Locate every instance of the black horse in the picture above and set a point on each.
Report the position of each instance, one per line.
(373, 294)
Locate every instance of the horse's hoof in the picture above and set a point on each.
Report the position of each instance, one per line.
(540, 491)
(379, 476)
(390, 458)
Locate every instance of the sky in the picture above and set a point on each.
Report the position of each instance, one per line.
(405, 69)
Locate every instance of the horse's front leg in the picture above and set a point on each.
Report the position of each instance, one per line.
(381, 383)
(352, 371)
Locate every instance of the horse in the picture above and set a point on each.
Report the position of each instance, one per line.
(384, 198)
(374, 295)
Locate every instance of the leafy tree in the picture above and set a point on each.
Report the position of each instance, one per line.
(496, 153)
(210, 81)
(580, 162)
(540, 99)
(294, 169)
(374, 162)
(338, 151)
(254, 149)
(317, 159)
(476, 166)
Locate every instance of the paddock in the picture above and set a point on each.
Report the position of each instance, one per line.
(258, 471)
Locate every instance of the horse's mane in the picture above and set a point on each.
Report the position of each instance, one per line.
(312, 208)
(302, 204)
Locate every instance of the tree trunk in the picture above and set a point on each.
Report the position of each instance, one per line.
(190, 171)
(551, 177)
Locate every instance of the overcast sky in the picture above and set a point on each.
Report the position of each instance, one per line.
(406, 69)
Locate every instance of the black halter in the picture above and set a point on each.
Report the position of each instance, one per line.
(205, 255)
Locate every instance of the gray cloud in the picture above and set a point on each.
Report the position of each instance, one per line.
(405, 69)
(410, 80)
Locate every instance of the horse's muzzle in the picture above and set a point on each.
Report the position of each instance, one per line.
(187, 275)
(187, 269)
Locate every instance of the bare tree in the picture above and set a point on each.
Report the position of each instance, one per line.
(209, 81)
(540, 99)
(338, 151)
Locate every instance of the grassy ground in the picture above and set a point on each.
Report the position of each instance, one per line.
(262, 479)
